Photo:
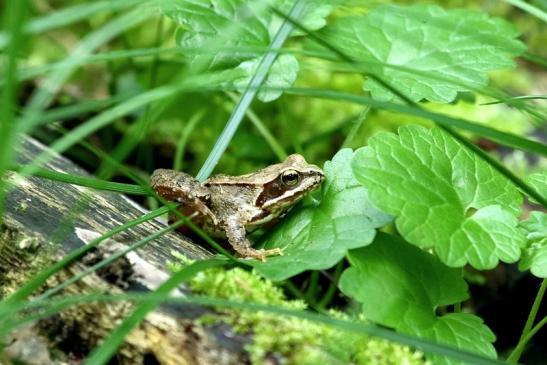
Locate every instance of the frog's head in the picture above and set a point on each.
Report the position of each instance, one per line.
(286, 183)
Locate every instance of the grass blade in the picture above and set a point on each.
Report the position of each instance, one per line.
(139, 129)
(345, 325)
(69, 15)
(10, 304)
(524, 337)
(89, 182)
(110, 115)
(441, 119)
(529, 8)
(523, 97)
(79, 109)
(184, 137)
(275, 146)
(32, 72)
(107, 261)
(51, 85)
(14, 18)
(538, 60)
(250, 92)
(102, 354)
(99, 121)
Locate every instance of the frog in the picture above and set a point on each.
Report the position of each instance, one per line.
(229, 207)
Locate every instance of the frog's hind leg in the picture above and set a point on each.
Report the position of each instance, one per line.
(235, 232)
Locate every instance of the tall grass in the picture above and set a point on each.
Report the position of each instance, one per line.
(15, 14)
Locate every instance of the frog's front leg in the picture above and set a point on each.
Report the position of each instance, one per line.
(235, 232)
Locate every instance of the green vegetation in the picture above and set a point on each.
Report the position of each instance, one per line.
(302, 342)
(427, 119)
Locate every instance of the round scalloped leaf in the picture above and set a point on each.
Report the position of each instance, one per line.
(443, 196)
(208, 26)
(246, 28)
(282, 74)
(401, 286)
(317, 237)
(449, 50)
(534, 256)
(462, 330)
(539, 182)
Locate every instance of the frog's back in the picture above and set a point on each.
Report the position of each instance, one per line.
(177, 186)
(184, 188)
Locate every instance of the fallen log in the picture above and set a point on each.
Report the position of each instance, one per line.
(43, 221)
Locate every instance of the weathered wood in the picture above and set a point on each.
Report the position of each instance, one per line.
(45, 220)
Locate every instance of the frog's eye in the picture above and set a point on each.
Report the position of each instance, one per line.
(290, 178)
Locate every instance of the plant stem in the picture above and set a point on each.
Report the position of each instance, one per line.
(286, 119)
(520, 347)
(293, 289)
(327, 298)
(311, 291)
(528, 332)
(185, 135)
(356, 127)
(263, 130)
(250, 92)
(530, 9)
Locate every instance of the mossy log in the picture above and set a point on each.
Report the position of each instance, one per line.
(43, 221)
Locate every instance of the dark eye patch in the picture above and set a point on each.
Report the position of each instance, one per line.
(272, 190)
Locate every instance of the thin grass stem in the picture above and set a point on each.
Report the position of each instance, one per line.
(527, 330)
(250, 92)
(275, 146)
(15, 20)
(345, 325)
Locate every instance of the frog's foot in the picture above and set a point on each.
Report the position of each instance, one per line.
(260, 254)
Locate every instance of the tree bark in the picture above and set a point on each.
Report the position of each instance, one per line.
(43, 221)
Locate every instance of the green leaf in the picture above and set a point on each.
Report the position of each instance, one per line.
(443, 195)
(317, 237)
(222, 23)
(538, 182)
(463, 330)
(281, 75)
(457, 44)
(235, 23)
(230, 28)
(315, 12)
(401, 286)
(534, 256)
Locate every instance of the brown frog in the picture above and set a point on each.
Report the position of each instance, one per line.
(230, 206)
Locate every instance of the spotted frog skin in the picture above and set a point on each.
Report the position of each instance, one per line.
(230, 206)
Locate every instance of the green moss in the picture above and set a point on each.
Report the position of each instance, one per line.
(294, 340)
(18, 258)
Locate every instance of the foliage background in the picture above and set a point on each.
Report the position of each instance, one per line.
(179, 129)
